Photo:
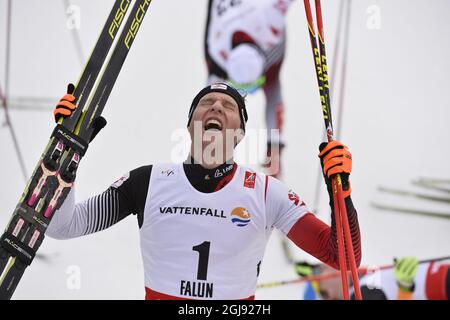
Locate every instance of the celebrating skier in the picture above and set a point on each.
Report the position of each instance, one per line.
(245, 42)
(204, 224)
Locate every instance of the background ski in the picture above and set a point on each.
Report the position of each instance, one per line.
(434, 180)
(411, 211)
(26, 230)
(414, 194)
(430, 185)
(30, 103)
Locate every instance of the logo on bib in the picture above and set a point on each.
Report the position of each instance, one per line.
(240, 217)
(295, 198)
(167, 172)
(250, 179)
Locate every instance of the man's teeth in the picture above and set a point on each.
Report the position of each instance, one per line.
(213, 124)
(212, 121)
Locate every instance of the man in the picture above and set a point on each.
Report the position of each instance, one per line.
(204, 224)
(245, 42)
(406, 280)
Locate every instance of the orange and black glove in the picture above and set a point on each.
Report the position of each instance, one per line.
(66, 106)
(335, 158)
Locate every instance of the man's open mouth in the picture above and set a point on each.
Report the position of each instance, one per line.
(213, 124)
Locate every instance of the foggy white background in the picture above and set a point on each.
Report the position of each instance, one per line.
(396, 123)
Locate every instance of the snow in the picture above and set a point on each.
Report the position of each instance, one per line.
(396, 125)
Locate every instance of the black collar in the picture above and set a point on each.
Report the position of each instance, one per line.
(207, 180)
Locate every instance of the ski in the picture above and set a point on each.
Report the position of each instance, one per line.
(434, 180)
(442, 215)
(55, 173)
(414, 194)
(430, 185)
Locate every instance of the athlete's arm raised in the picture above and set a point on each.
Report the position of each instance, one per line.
(290, 214)
(124, 197)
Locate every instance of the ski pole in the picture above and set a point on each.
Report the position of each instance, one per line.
(343, 229)
(337, 180)
(337, 44)
(328, 126)
(343, 80)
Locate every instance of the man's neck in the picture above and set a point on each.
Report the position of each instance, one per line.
(208, 180)
(206, 165)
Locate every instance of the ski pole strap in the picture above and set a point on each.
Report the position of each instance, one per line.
(70, 139)
(17, 248)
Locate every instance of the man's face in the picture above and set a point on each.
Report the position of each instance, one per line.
(217, 111)
(215, 126)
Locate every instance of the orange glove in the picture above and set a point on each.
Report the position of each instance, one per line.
(66, 105)
(336, 158)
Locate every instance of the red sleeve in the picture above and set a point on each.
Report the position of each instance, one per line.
(437, 283)
(318, 239)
